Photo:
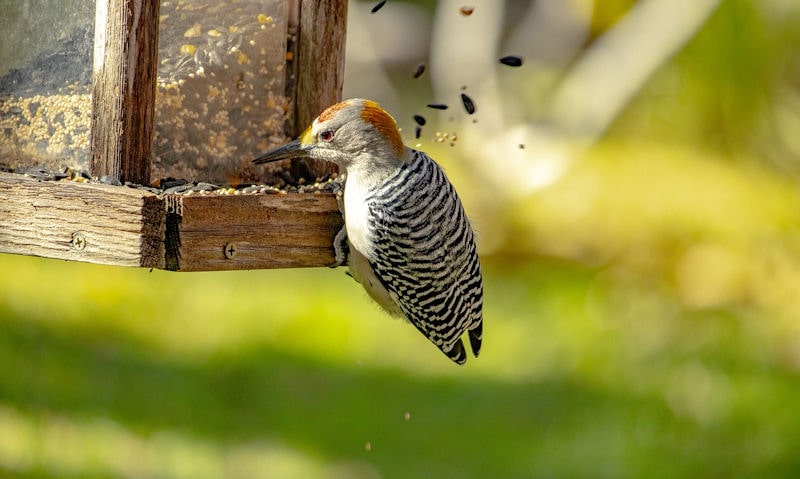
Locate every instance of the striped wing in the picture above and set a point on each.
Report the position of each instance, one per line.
(425, 255)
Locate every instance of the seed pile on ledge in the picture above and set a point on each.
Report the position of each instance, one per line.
(173, 186)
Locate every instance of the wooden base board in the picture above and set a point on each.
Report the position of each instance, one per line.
(128, 227)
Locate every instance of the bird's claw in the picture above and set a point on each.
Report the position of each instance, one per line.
(340, 248)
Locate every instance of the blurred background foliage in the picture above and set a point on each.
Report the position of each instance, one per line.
(634, 186)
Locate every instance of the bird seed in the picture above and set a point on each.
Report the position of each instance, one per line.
(378, 6)
(511, 60)
(469, 105)
(419, 70)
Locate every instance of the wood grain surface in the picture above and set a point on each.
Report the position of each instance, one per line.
(316, 74)
(123, 226)
(124, 89)
(81, 222)
(251, 231)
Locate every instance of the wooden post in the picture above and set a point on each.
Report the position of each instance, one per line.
(123, 88)
(317, 69)
(320, 58)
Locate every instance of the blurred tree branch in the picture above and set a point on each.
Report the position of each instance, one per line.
(582, 89)
(614, 68)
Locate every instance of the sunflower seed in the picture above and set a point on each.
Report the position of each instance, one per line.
(110, 180)
(511, 60)
(469, 105)
(419, 70)
(378, 6)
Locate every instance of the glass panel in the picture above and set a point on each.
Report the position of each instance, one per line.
(46, 53)
(221, 88)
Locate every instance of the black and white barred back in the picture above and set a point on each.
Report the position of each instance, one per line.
(425, 255)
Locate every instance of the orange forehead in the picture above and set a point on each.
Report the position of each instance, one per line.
(384, 123)
(331, 111)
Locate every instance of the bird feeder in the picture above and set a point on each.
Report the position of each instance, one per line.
(130, 90)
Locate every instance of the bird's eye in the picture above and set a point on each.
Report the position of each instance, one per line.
(326, 135)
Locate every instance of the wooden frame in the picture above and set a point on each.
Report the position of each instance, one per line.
(123, 89)
(131, 227)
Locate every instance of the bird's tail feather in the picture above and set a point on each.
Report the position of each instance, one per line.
(458, 354)
(475, 338)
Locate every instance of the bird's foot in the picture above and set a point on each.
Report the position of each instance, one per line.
(341, 249)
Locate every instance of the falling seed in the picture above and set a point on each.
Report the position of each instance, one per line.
(521, 146)
(214, 33)
(469, 105)
(437, 106)
(417, 131)
(419, 70)
(378, 6)
(511, 60)
(368, 445)
(420, 120)
(466, 11)
(407, 416)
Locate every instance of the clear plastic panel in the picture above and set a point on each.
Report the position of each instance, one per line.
(221, 87)
(46, 57)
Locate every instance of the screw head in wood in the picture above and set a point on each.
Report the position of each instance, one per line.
(78, 241)
(230, 250)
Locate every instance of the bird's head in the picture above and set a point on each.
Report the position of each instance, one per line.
(351, 133)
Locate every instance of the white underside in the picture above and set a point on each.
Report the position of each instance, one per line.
(362, 272)
(358, 237)
(356, 213)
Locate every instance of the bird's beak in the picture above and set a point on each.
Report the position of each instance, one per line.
(293, 149)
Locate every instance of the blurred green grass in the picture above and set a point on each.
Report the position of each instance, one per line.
(645, 328)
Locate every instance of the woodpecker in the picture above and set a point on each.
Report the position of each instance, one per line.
(406, 237)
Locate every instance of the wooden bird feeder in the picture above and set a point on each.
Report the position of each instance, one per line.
(132, 90)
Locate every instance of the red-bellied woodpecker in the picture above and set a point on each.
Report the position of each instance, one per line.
(410, 243)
